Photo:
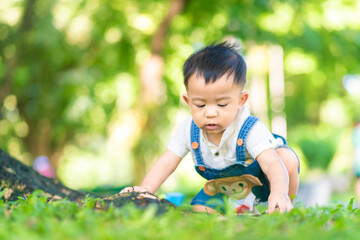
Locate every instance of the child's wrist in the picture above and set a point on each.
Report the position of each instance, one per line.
(278, 191)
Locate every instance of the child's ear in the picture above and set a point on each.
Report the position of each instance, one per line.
(252, 181)
(243, 98)
(186, 98)
(210, 187)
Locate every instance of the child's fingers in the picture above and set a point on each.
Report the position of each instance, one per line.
(134, 189)
(286, 207)
(289, 206)
(127, 189)
(271, 207)
(283, 207)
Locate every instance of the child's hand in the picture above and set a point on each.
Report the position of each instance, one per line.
(134, 189)
(279, 202)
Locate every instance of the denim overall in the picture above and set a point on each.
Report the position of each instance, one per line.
(240, 167)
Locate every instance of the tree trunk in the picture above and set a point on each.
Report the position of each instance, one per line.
(19, 181)
(25, 25)
(39, 138)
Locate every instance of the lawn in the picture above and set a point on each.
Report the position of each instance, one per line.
(34, 218)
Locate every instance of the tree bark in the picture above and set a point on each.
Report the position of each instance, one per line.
(19, 181)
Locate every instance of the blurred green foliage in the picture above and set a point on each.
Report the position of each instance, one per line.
(318, 144)
(70, 70)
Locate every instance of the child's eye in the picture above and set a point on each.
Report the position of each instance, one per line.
(200, 106)
(222, 105)
(223, 188)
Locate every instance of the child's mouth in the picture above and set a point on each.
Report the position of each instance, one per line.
(211, 126)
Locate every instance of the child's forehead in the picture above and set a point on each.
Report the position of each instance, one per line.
(218, 89)
(201, 78)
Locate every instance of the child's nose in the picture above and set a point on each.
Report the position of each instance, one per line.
(211, 112)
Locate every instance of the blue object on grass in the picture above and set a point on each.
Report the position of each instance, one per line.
(175, 198)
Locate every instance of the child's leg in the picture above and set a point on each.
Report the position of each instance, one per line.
(206, 203)
(291, 163)
(202, 208)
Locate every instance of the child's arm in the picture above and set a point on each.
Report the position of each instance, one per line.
(278, 177)
(158, 173)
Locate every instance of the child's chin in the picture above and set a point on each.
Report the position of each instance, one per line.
(214, 131)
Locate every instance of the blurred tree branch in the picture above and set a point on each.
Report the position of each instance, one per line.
(152, 89)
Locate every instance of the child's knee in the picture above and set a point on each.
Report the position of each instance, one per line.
(289, 159)
(202, 208)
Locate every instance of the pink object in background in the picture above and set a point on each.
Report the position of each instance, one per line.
(42, 165)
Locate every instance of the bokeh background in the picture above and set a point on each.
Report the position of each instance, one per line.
(96, 85)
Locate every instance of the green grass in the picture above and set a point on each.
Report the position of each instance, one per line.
(33, 218)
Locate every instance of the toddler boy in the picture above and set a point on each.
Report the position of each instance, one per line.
(224, 139)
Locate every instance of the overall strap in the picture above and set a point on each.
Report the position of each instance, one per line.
(244, 131)
(195, 143)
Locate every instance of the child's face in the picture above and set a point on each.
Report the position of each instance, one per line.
(214, 105)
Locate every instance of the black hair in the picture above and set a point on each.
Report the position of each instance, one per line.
(215, 60)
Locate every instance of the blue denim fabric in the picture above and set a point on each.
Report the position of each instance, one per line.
(237, 169)
(216, 202)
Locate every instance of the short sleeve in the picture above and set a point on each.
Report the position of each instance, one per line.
(260, 139)
(180, 141)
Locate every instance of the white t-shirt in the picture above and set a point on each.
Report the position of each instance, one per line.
(218, 157)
